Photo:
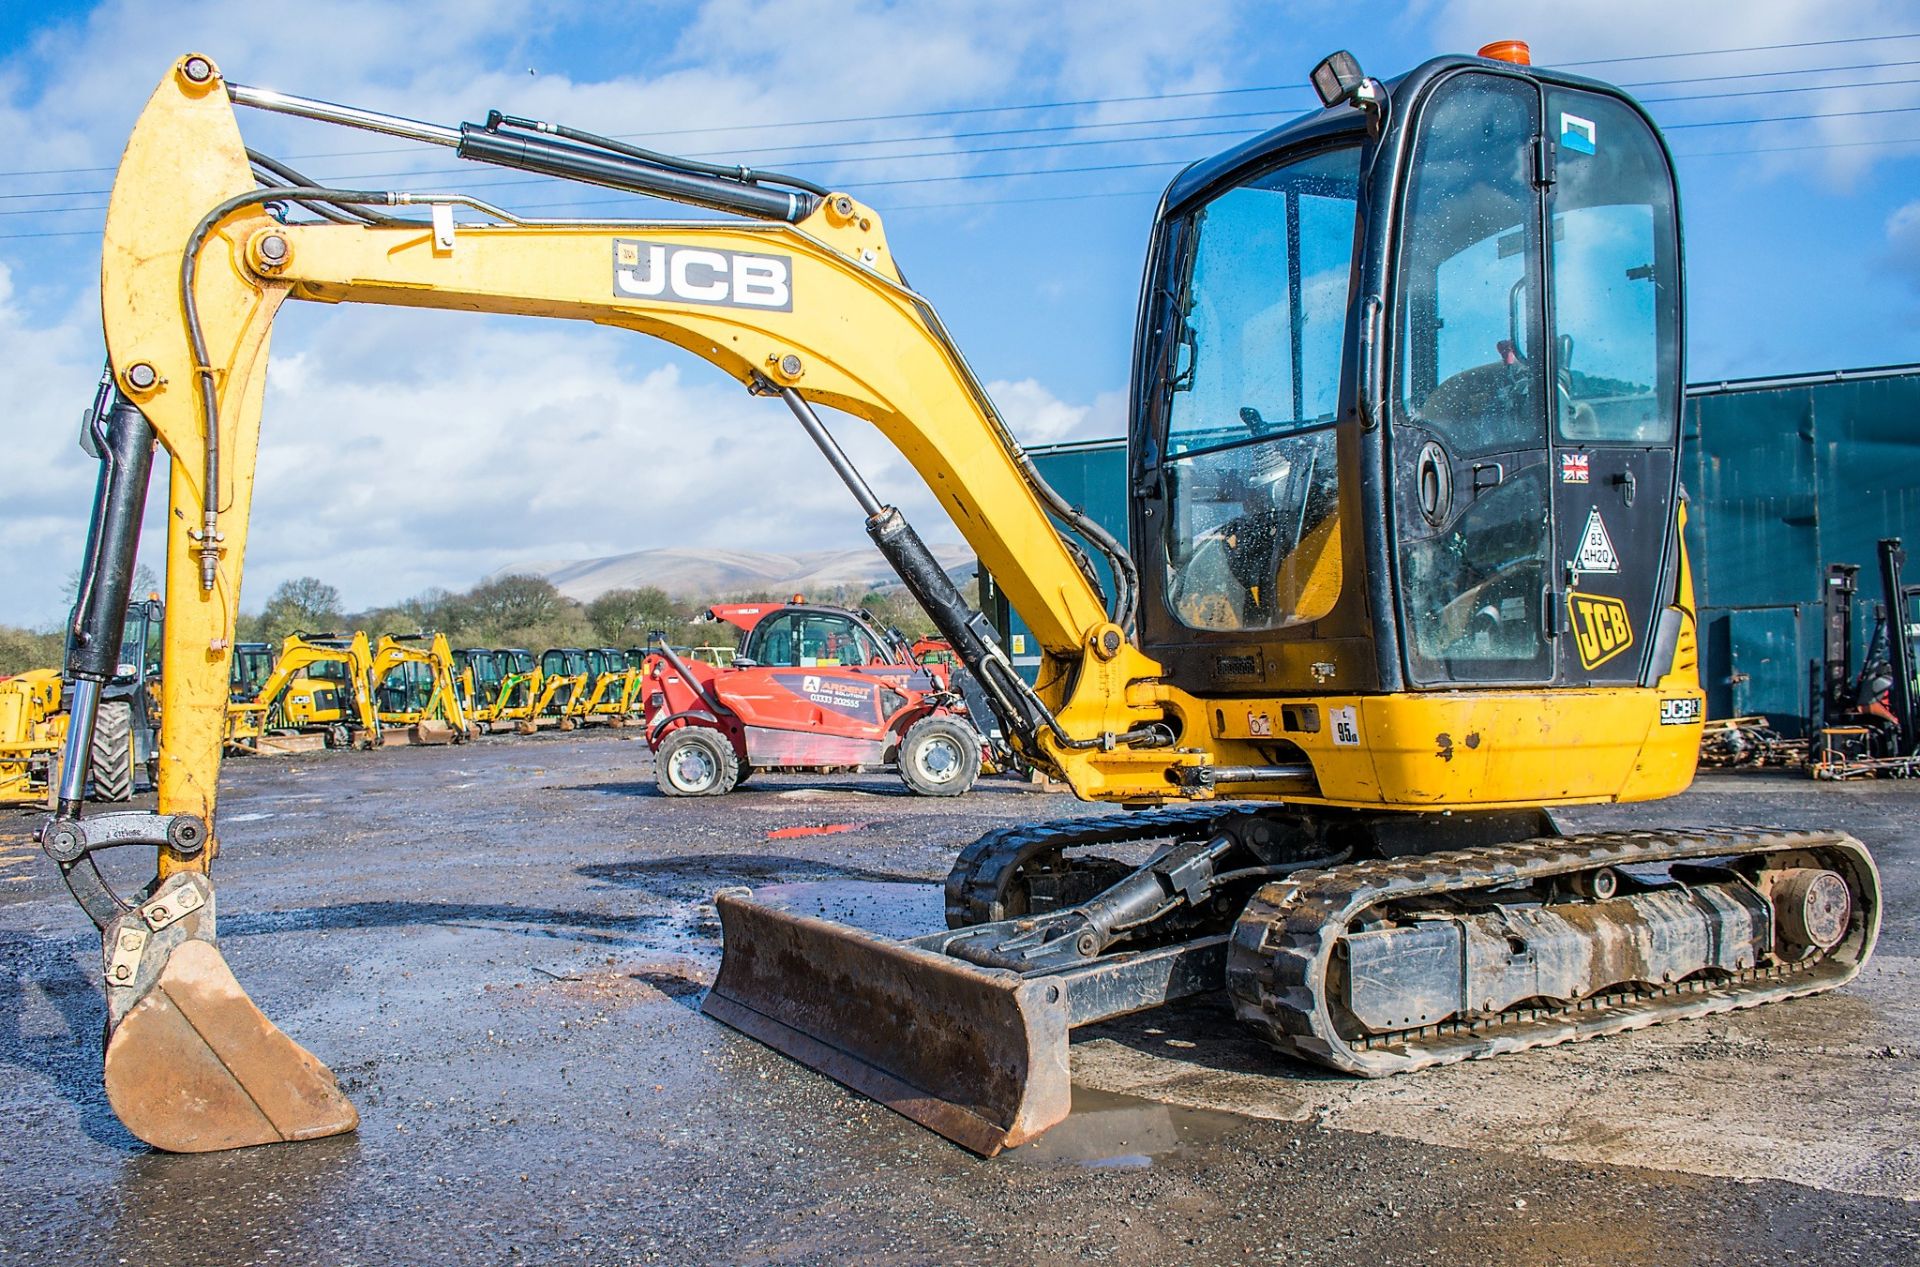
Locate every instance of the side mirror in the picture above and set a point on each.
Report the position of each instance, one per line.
(742, 662)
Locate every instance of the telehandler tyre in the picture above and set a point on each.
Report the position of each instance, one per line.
(113, 752)
(695, 761)
(940, 756)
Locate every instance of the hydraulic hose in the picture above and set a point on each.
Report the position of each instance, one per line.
(209, 534)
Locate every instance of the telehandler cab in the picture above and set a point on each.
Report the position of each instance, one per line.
(1406, 574)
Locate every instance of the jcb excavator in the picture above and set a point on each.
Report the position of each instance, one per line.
(1406, 574)
(320, 682)
(413, 685)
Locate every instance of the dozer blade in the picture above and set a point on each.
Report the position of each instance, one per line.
(192, 1065)
(977, 1054)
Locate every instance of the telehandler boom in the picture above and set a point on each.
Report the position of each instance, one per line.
(1406, 573)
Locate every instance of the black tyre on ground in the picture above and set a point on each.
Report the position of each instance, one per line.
(695, 761)
(940, 756)
(112, 757)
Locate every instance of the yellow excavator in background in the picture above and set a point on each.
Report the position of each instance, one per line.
(319, 682)
(32, 729)
(414, 685)
(566, 679)
(615, 693)
(1406, 573)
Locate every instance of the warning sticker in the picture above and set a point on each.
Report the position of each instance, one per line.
(1601, 629)
(1596, 547)
(1575, 468)
(1346, 726)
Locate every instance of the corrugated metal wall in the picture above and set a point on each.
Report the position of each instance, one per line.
(1785, 476)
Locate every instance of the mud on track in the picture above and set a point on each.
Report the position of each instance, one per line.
(500, 949)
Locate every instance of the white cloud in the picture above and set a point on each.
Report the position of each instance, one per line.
(406, 449)
(1566, 34)
(1037, 416)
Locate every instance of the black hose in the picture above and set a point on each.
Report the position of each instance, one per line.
(289, 177)
(196, 337)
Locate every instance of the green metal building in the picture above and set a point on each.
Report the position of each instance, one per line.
(1784, 476)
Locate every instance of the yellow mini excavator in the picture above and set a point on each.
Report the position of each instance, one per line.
(1406, 573)
(414, 685)
(319, 682)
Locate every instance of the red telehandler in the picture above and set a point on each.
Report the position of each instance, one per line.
(813, 687)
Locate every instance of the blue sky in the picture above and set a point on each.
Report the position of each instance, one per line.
(404, 450)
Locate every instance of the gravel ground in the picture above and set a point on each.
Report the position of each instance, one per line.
(500, 950)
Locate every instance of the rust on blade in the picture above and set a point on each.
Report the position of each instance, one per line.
(976, 1054)
(195, 1067)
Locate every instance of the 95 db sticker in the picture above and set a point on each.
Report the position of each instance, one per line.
(1345, 723)
(1684, 711)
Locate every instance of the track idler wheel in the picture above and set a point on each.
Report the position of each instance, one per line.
(191, 1064)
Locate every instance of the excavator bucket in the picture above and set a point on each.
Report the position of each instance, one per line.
(976, 1054)
(192, 1065)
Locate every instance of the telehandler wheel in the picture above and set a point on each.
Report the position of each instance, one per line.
(695, 761)
(940, 756)
(112, 766)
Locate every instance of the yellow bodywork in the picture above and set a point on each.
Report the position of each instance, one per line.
(288, 698)
(856, 339)
(32, 728)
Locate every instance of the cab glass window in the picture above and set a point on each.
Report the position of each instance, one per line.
(1253, 537)
(1471, 496)
(1616, 269)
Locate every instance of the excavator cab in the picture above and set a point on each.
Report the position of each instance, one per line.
(1407, 395)
(252, 666)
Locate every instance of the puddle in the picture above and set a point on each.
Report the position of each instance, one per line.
(824, 794)
(1109, 1131)
(884, 907)
(244, 818)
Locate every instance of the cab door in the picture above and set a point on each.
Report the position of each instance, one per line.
(1614, 263)
(1471, 500)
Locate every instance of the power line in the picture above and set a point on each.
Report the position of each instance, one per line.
(1751, 48)
(1101, 101)
(1777, 92)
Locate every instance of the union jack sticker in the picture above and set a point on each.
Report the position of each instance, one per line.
(1574, 469)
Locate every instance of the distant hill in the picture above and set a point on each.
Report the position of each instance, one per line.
(711, 574)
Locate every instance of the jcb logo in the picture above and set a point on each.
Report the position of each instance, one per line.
(695, 275)
(1600, 627)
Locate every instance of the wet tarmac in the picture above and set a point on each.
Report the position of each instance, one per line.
(501, 948)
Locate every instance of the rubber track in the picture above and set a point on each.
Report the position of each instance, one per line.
(1284, 940)
(981, 873)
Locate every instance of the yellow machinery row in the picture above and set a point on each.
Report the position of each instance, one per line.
(351, 691)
